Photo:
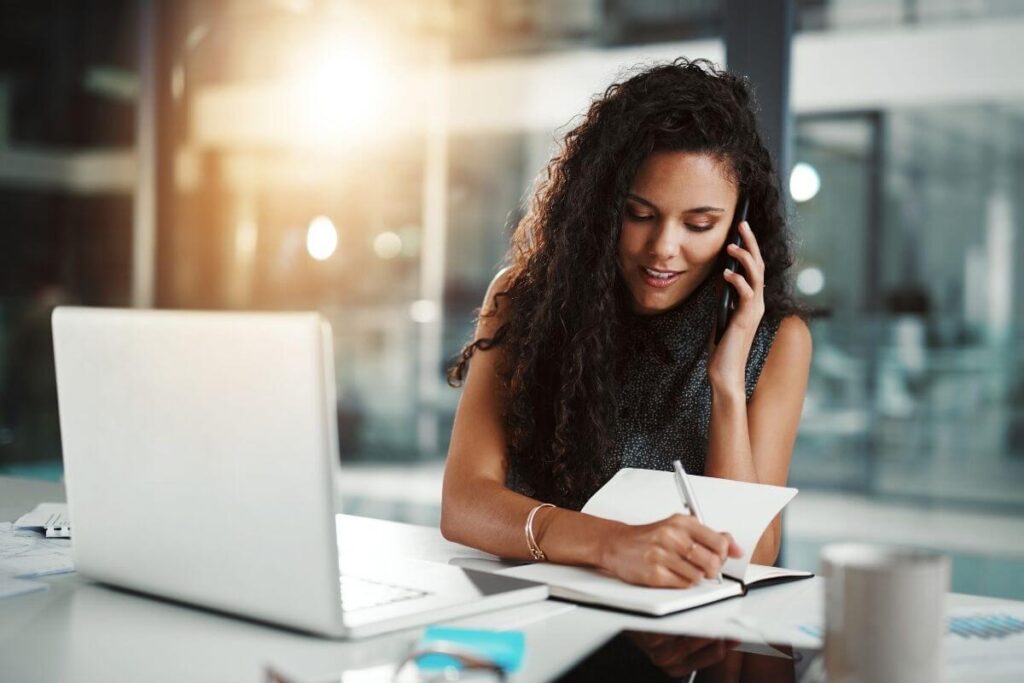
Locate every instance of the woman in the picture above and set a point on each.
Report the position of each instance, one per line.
(592, 350)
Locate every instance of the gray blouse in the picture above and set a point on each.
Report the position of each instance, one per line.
(664, 391)
(665, 394)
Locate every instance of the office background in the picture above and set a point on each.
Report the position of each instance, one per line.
(368, 159)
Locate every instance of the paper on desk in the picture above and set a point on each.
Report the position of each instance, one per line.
(25, 554)
(780, 631)
(985, 640)
(49, 518)
(10, 586)
(990, 637)
(637, 496)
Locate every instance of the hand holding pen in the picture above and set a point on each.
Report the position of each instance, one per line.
(675, 552)
(689, 499)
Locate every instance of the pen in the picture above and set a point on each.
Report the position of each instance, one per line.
(687, 495)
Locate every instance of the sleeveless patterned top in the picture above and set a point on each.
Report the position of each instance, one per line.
(665, 395)
(664, 391)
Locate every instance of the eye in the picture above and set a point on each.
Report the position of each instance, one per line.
(633, 216)
(700, 227)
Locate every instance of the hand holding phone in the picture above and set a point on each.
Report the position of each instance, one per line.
(728, 299)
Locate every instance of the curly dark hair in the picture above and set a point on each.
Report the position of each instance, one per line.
(562, 327)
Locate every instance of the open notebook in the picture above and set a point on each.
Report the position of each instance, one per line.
(636, 496)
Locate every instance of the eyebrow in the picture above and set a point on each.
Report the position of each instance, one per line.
(697, 209)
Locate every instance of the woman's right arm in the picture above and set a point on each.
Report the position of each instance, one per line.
(478, 510)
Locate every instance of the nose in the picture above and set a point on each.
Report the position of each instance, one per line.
(666, 242)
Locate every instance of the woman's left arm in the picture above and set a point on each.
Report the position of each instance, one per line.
(754, 441)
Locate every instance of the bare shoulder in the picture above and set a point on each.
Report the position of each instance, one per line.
(498, 285)
(492, 311)
(791, 350)
(794, 335)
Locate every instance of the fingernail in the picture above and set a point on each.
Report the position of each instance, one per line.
(728, 271)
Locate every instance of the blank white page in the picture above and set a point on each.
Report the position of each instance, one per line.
(637, 496)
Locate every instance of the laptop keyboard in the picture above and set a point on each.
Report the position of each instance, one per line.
(359, 593)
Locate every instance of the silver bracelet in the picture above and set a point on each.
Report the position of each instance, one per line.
(531, 540)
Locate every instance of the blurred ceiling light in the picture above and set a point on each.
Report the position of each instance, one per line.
(338, 86)
(810, 281)
(321, 238)
(423, 311)
(804, 182)
(387, 245)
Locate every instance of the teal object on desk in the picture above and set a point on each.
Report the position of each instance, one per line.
(504, 648)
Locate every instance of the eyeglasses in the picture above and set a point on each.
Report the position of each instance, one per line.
(438, 662)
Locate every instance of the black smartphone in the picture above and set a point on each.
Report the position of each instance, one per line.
(728, 298)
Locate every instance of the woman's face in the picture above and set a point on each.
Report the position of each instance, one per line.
(676, 219)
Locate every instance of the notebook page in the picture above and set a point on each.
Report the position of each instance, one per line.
(591, 586)
(758, 573)
(638, 496)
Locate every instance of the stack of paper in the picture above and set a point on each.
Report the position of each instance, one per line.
(25, 554)
(50, 519)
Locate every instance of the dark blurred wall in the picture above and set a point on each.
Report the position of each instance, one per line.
(67, 87)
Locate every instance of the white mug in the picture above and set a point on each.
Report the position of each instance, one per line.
(884, 613)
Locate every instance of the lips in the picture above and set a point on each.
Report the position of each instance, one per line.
(659, 279)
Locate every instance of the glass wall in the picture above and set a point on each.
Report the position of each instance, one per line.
(67, 109)
(818, 15)
(909, 251)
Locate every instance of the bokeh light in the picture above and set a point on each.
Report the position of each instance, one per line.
(810, 281)
(387, 245)
(338, 85)
(423, 311)
(804, 182)
(321, 238)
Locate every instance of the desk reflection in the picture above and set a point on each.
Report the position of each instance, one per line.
(82, 632)
(656, 657)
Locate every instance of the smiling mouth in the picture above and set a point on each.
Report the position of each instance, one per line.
(659, 278)
(660, 274)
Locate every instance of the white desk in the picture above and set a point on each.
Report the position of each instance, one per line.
(79, 631)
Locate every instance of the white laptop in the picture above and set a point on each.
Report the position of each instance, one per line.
(200, 451)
